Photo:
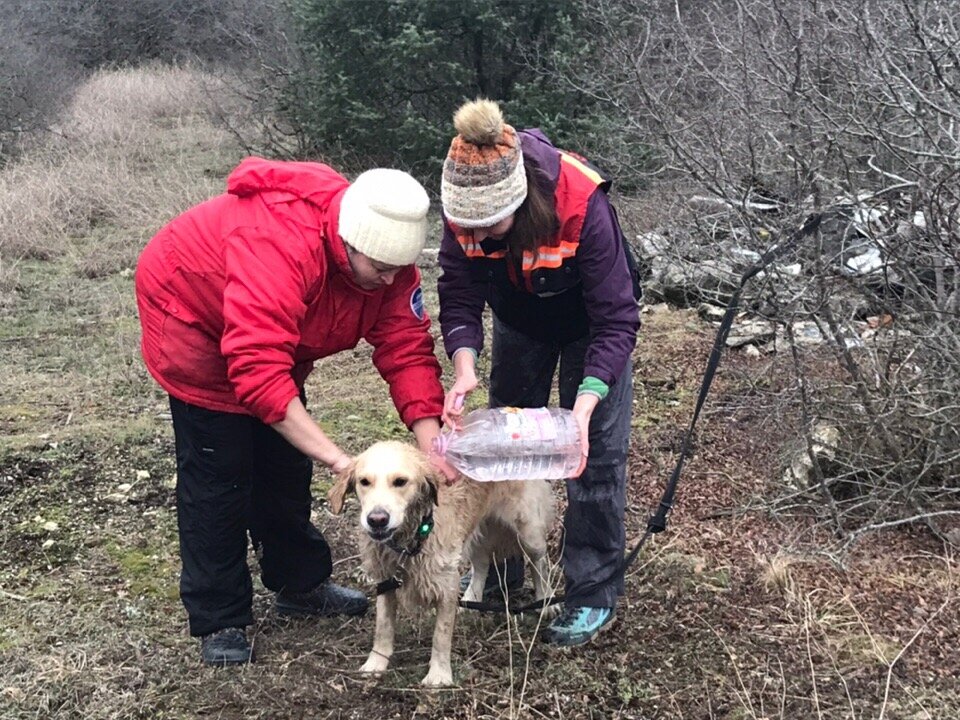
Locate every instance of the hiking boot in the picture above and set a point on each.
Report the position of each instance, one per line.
(226, 647)
(325, 600)
(577, 625)
(511, 572)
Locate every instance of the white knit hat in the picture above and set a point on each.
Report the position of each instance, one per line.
(383, 214)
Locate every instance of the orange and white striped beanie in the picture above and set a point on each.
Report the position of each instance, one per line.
(483, 177)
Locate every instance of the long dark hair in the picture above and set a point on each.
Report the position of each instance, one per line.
(536, 219)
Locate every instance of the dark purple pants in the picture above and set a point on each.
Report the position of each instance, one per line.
(522, 371)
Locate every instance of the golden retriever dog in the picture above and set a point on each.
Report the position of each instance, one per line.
(417, 529)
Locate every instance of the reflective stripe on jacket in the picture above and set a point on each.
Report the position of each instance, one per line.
(576, 182)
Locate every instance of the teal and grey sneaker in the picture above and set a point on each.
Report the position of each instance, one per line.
(577, 625)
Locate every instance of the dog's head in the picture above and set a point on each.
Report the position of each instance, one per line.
(396, 486)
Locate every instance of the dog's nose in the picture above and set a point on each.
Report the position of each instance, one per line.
(378, 519)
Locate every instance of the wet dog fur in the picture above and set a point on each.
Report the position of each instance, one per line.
(480, 522)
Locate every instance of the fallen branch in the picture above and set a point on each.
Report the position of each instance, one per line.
(13, 596)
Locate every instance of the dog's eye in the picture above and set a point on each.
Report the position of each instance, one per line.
(399, 482)
(364, 481)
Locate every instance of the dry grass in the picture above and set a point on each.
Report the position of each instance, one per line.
(775, 573)
(134, 148)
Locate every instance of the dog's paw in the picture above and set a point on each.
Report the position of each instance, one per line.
(375, 664)
(438, 677)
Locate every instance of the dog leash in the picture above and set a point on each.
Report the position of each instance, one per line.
(658, 521)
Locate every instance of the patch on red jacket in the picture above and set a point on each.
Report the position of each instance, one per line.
(416, 302)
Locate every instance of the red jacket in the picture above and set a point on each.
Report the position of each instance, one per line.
(239, 295)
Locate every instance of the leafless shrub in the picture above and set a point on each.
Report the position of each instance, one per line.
(852, 110)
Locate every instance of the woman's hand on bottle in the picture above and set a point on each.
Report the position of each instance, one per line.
(440, 464)
(582, 412)
(455, 399)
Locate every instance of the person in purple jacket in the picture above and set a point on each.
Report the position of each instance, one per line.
(529, 231)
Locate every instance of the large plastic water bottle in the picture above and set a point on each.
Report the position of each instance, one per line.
(513, 444)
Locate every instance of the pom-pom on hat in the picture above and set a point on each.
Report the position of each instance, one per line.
(383, 214)
(483, 177)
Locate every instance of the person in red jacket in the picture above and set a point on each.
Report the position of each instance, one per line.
(237, 297)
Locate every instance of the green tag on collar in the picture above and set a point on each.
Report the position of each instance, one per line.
(425, 527)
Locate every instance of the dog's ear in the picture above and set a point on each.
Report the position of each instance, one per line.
(346, 482)
(431, 476)
(432, 480)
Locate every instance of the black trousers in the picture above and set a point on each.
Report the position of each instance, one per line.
(236, 475)
(593, 530)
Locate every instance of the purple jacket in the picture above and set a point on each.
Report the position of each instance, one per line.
(596, 297)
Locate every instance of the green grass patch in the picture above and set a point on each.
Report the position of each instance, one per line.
(148, 571)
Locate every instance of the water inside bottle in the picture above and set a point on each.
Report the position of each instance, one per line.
(515, 444)
(519, 467)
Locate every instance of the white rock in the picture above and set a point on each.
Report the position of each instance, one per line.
(866, 219)
(50, 526)
(793, 270)
(825, 439)
(652, 244)
(142, 475)
(745, 254)
(864, 264)
(807, 333)
(124, 487)
(711, 312)
(750, 332)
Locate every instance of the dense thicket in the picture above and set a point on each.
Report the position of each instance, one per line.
(358, 83)
(379, 81)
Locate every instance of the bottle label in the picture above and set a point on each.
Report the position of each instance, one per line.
(530, 423)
